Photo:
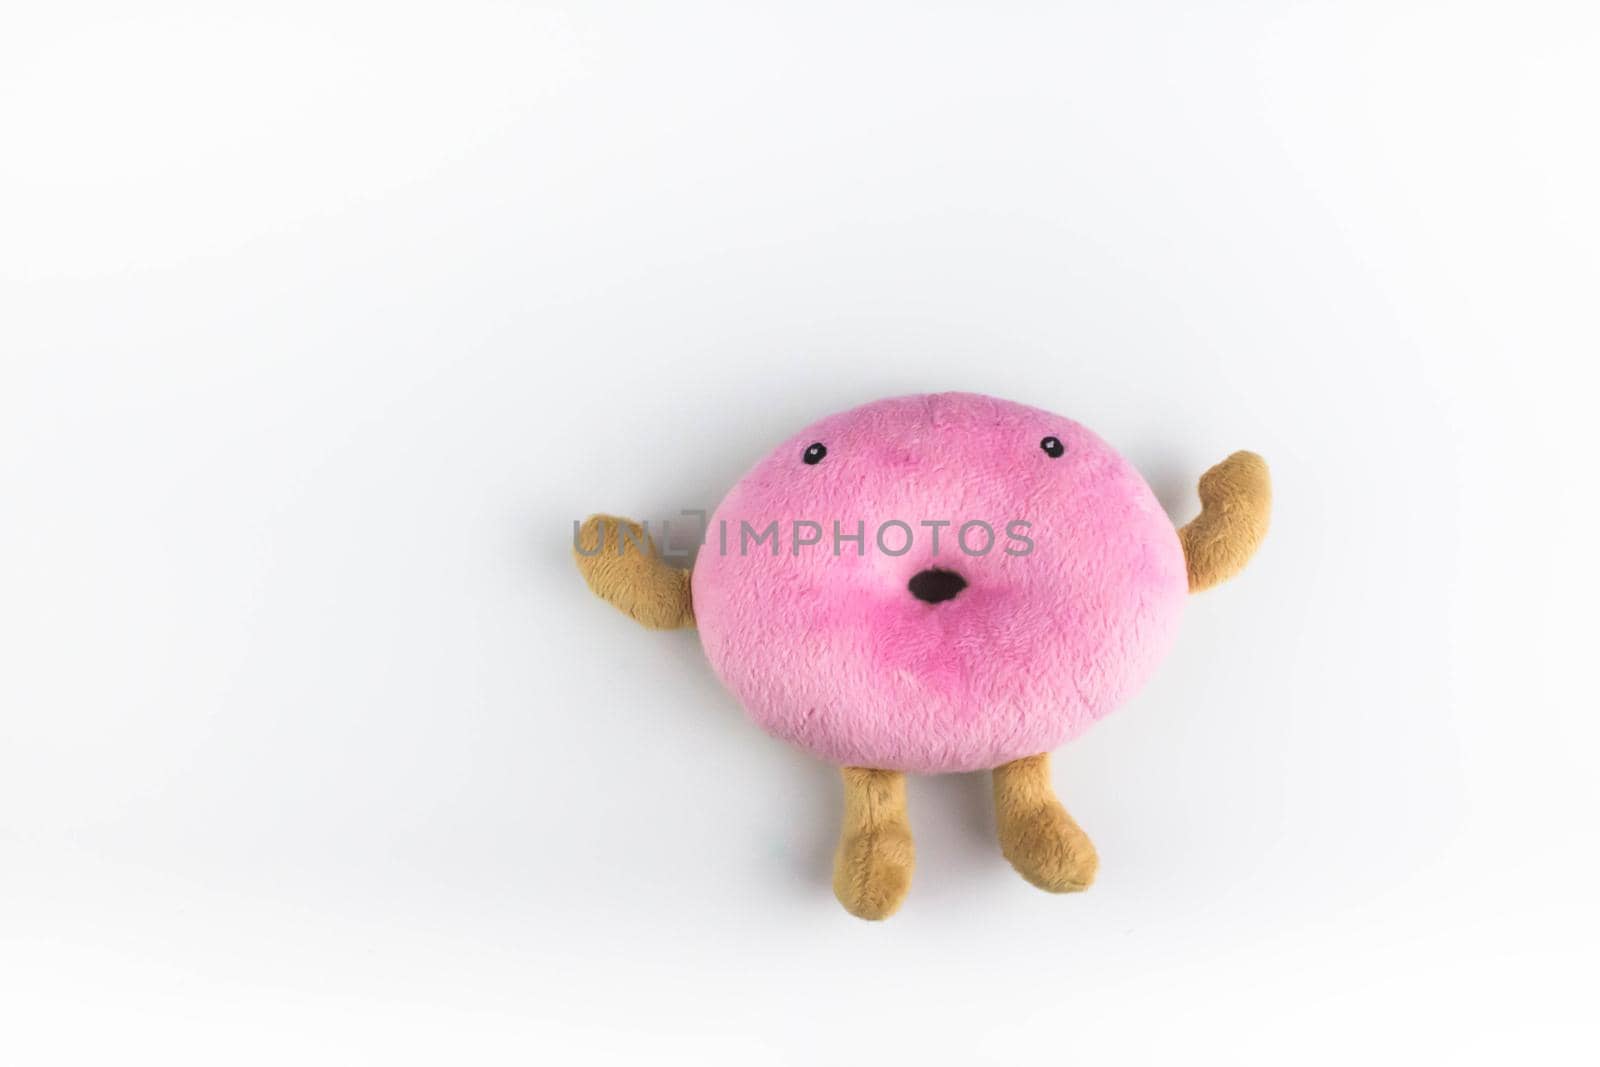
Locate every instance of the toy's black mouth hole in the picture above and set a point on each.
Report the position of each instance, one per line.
(935, 586)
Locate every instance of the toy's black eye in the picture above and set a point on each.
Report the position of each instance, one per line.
(1053, 447)
(814, 454)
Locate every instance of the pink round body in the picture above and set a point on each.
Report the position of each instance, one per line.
(937, 583)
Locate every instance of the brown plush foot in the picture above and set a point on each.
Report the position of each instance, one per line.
(1036, 833)
(872, 869)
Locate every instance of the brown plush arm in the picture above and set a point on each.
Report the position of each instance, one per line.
(641, 585)
(1235, 504)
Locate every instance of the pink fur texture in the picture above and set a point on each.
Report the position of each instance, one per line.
(834, 653)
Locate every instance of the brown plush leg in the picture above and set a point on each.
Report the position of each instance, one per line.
(1036, 833)
(872, 869)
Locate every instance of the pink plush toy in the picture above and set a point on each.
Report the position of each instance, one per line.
(932, 584)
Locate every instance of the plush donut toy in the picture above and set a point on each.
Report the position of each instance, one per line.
(931, 584)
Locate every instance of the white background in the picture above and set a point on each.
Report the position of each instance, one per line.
(320, 324)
